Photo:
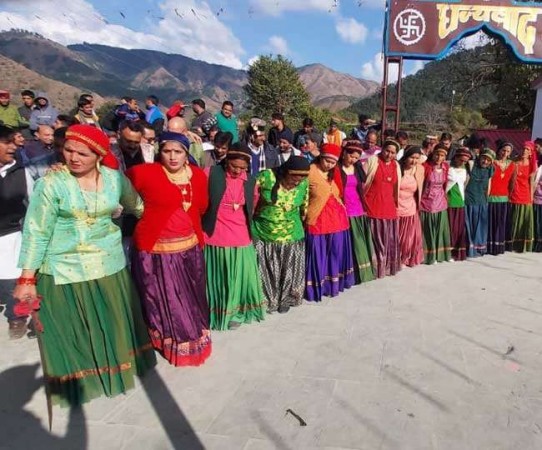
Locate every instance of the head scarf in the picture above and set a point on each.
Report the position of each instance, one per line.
(4, 94)
(463, 151)
(392, 142)
(332, 151)
(96, 140)
(353, 145)
(504, 144)
(533, 162)
(239, 150)
(287, 135)
(489, 153)
(167, 136)
(297, 165)
(411, 150)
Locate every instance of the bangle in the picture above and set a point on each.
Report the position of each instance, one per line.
(30, 281)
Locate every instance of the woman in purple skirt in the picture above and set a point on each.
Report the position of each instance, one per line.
(168, 266)
(329, 261)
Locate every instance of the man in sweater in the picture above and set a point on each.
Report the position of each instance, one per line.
(43, 113)
(203, 120)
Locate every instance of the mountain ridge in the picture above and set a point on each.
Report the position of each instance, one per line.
(114, 72)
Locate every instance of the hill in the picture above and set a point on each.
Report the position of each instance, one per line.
(113, 72)
(16, 77)
(483, 84)
(334, 90)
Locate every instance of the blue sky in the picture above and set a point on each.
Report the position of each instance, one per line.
(345, 35)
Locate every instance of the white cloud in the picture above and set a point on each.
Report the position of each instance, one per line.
(418, 65)
(278, 45)
(79, 21)
(276, 7)
(351, 31)
(374, 70)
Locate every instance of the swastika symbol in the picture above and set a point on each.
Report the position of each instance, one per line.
(409, 26)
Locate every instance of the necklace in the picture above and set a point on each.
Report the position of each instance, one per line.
(236, 200)
(90, 220)
(186, 195)
(387, 170)
(179, 177)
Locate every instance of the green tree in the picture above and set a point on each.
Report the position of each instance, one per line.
(274, 86)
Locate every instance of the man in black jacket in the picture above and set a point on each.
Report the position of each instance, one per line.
(15, 186)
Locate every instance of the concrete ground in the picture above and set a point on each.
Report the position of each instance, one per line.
(442, 357)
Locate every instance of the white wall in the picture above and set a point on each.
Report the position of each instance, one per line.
(537, 123)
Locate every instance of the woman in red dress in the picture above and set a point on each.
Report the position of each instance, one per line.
(502, 182)
(522, 225)
(168, 266)
(381, 200)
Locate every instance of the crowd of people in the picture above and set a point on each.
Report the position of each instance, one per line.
(136, 233)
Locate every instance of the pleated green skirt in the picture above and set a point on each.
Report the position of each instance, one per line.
(94, 339)
(436, 237)
(522, 224)
(362, 246)
(234, 288)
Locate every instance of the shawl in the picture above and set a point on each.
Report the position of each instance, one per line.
(458, 177)
(335, 137)
(319, 192)
(371, 166)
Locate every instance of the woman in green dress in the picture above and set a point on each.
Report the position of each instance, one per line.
(234, 288)
(94, 339)
(278, 232)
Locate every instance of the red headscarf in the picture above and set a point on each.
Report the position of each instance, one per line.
(533, 163)
(96, 140)
(333, 151)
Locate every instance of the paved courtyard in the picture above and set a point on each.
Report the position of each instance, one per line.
(442, 357)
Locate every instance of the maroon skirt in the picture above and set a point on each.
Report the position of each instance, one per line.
(458, 233)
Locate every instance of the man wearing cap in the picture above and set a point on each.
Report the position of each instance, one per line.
(9, 114)
(43, 113)
(226, 120)
(277, 127)
(285, 147)
(264, 156)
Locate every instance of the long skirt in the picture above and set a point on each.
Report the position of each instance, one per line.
(436, 236)
(498, 227)
(537, 211)
(522, 226)
(386, 244)
(476, 219)
(282, 267)
(94, 339)
(234, 287)
(362, 249)
(172, 290)
(411, 240)
(458, 233)
(329, 265)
